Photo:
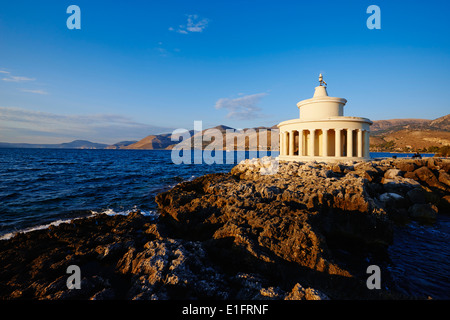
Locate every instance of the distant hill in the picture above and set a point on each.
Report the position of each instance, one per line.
(155, 142)
(164, 141)
(120, 145)
(76, 144)
(243, 140)
(410, 134)
(386, 126)
(82, 144)
(151, 142)
(442, 123)
(380, 126)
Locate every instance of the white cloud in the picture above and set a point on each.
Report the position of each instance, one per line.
(17, 79)
(20, 79)
(193, 24)
(19, 125)
(242, 108)
(165, 52)
(35, 91)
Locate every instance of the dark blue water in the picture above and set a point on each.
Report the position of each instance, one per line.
(43, 186)
(397, 154)
(39, 186)
(421, 259)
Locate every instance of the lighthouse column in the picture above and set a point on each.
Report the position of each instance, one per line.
(360, 143)
(281, 143)
(349, 143)
(286, 143)
(300, 142)
(366, 143)
(325, 142)
(291, 142)
(311, 147)
(337, 146)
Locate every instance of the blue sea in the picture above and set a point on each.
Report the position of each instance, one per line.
(39, 187)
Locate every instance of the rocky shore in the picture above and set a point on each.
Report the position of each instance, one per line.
(308, 231)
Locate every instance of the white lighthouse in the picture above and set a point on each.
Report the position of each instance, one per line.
(322, 132)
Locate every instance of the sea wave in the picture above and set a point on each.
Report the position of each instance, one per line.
(9, 235)
(109, 212)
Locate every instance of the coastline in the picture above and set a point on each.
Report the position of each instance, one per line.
(303, 233)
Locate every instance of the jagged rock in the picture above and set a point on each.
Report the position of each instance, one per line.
(445, 203)
(444, 177)
(417, 195)
(278, 216)
(423, 212)
(410, 175)
(427, 176)
(300, 293)
(385, 197)
(392, 173)
(399, 185)
(252, 287)
(405, 165)
(255, 233)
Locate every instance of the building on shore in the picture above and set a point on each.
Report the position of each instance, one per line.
(322, 132)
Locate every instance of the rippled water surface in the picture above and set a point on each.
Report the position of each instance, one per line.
(38, 186)
(421, 258)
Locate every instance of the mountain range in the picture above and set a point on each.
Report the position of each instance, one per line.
(76, 144)
(410, 134)
(400, 135)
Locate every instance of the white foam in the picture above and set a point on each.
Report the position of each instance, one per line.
(39, 227)
(109, 212)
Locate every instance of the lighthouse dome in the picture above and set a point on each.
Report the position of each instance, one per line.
(321, 106)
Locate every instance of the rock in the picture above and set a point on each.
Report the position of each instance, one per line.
(417, 196)
(405, 165)
(432, 163)
(300, 293)
(253, 287)
(444, 177)
(410, 175)
(445, 166)
(395, 206)
(426, 175)
(338, 168)
(444, 203)
(420, 162)
(105, 294)
(270, 192)
(276, 214)
(390, 196)
(392, 173)
(423, 212)
(399, 185)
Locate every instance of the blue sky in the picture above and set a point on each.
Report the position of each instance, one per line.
(141, 67)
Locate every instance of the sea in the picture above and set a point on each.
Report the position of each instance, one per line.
(43, 187)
